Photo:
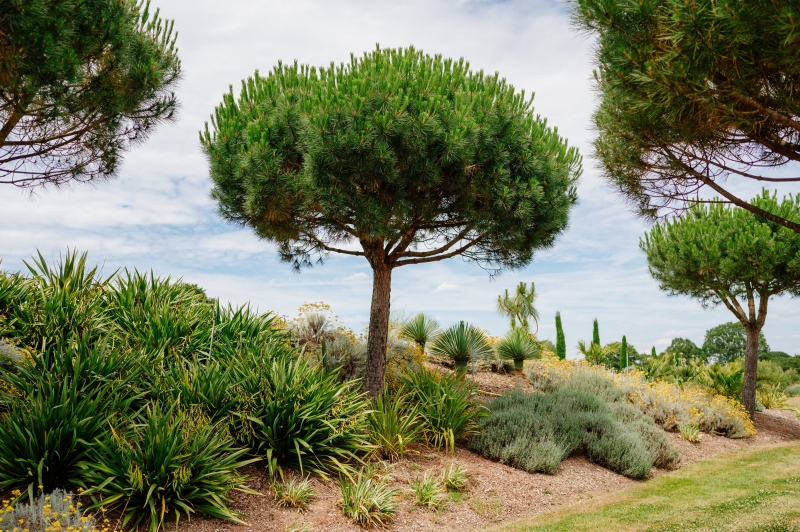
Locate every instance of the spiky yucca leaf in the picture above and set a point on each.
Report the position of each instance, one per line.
(462, 343)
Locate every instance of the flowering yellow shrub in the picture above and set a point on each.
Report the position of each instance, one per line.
(668, 404)
(57, 512)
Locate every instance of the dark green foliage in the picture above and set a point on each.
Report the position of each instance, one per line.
(561, 342)
(623, 354)
(445, 404)
(786, 361)
(595, 332)
(683, 348)
(394, 424)
(81, 80)
(462, 343)
(726, 343)
(176, 461)
(536, 432)
(721, 254)
(297, 415)
(390, 150)
(694, 92)
(46, 433)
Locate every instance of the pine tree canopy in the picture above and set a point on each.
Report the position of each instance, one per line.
(694, 93)
(394, 150)
(723, 255)
(409, 157)
(80, 81)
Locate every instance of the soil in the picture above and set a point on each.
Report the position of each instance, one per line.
(496, 493)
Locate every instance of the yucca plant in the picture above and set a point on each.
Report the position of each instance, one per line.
(462, 343)
(420, 329)
(518, 346)
(177, 463)
(445, 404)
(240, 329)
(394, 424)
(297, 415)
(368, 502)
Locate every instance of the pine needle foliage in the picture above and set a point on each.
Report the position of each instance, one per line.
(415, 158)
(81, 81)
(692, 93)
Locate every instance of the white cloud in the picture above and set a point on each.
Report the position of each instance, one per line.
(446, 287)
(158, 213)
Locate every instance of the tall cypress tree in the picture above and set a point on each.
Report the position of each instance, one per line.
(653, 352)
(623, 354)
(596, 333)
(561, 342)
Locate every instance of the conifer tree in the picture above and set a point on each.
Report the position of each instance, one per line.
(623, 354)
(397, 157)
(561, 342)
(653, 352)
(595, 333)
(723, 255)
(80, 81)
(695, 95)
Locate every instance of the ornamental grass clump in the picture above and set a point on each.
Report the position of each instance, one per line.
(394, 424)
(446, 405)
(293, 493)
(58, 510)
(175, 463)
(368, 502)
(428, 493)
(297, 415)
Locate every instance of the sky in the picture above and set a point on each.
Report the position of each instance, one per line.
(158, 214)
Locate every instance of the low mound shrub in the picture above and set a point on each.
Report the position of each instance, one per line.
(667, 403)
(58, 510)
(446, 405)
(535, 432)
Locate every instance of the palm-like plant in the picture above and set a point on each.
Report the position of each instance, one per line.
(594, 353)
(462, 343)
(420, 329)
(520, 307)
(518, 346)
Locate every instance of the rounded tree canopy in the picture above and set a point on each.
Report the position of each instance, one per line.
(718, 253)
(415, 157)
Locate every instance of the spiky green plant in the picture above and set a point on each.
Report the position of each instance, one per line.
(462, 343)
(176, 462)
(446, 404)
(428, 493)
(368, 502)
(518, 346)
(294, 493)
(420, 329)
(520, 308)
(297, 415)
(454, 478)
(394, 424)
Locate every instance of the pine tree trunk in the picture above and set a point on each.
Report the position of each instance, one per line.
(750, 369)
(378, 330)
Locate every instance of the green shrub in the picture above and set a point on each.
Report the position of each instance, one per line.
(55, 305)
(462, 343)
(536, 432)
(454, 478)
(793, 390)
(428, 493)
(293, 493)
(49, 428)
(45, 513)
(771, 396)
(297, 415)
(445, 404)
(368, 502)
(208, 386)
(690, 432)
(176, 462)
(394, 424)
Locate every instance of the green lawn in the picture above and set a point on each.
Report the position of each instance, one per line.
(751, 490)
